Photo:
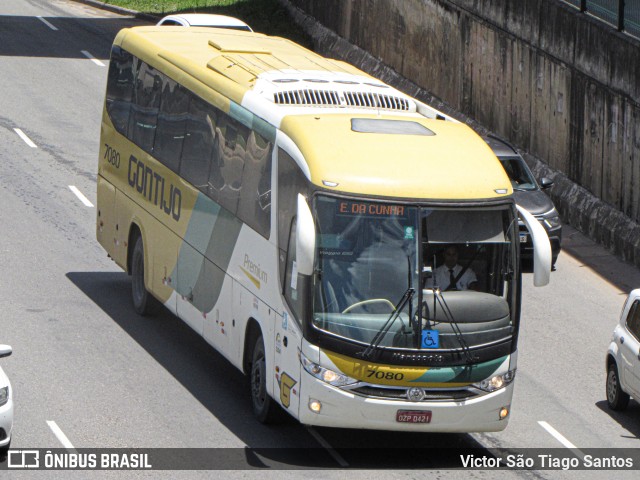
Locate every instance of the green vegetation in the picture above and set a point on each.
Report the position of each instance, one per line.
(265, 16)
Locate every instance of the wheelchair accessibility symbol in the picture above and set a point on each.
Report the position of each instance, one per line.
(430, 339)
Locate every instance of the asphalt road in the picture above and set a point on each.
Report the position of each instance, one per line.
(89, 373)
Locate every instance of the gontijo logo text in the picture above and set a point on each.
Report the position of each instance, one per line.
(153, 186)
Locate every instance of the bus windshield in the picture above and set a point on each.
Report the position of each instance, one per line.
(455, 266)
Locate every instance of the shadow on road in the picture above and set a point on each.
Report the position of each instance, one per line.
(616, 271)
(628, 419)
(30, 37)
(224, 391)
(66, 37)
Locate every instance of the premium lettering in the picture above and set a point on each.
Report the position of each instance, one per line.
(254, 269)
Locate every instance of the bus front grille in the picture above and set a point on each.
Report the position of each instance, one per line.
(401, 393)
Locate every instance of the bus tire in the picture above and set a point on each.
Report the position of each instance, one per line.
(616, 397)
(264, 408)
(143, 302)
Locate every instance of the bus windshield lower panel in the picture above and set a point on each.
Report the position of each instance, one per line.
(401, 277)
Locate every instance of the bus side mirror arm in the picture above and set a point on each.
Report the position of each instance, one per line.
(305, 237)
(541, 248)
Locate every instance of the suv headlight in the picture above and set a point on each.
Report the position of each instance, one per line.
(329, 376)
(551, 219)
(552, 222)
(496, 382)
(4, 395)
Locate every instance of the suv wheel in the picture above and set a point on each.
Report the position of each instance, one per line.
(616, 397)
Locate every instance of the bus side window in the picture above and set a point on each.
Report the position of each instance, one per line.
(144, 107)
(254, 207)
(291, 181)
(119, 88)
(296, 286)
(172, 124)
(197, 148)
(233, 138)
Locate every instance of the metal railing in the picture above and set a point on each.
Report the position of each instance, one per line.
(624, 15)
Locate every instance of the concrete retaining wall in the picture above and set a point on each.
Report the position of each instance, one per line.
(558, 84)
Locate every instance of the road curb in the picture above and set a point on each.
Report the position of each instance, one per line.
(595, 218)
(120, 10)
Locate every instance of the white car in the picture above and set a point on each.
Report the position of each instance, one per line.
(623, 356)
(6, 405)
(205, 20)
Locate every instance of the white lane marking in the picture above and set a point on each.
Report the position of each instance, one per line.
(561, 438)
(80, 195)
(336, 456)
(92, 58)
(24, 137)
(52, 27)
(60, 435)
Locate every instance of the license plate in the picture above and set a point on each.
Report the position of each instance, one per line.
(523, 238)
(413, 416)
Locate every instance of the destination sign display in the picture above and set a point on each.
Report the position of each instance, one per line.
(353, 208)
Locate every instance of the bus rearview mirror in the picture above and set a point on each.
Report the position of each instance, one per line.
(541, 248)
(305, 237)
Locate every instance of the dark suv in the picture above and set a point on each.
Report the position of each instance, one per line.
(528, 194)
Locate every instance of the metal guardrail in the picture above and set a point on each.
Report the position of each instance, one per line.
(624, 15)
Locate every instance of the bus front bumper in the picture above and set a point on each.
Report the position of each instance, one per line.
(343, 409)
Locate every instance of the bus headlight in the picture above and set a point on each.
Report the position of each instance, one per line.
(496, 382)
(328, 376)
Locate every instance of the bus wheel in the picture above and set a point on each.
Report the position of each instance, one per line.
(264, 408)
(143, 302)
(616, 398)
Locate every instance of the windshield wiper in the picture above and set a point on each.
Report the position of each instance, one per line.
(454, 326)
(406, 297)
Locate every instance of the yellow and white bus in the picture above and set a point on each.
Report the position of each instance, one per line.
(295, 212)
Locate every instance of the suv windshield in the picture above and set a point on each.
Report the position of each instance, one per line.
(519, 174)
(371, 257)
